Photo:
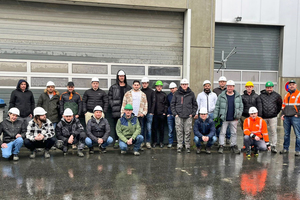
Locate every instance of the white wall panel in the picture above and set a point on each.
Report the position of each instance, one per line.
(269, 10)
(230, 10)
(250, 11)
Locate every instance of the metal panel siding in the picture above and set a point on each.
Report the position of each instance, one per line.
(39, 31)
(258, 47)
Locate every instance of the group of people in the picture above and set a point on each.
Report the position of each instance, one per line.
(139, 115)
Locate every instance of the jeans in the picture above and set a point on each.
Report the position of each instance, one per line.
(233, 129)
(210, 142)
(158, 126)
(47, 144)
(259, 145)
(147, 133)
(288, 122)
(90, 143)
(12, 148)
(171, 127)
(137, 143)
(54, 124)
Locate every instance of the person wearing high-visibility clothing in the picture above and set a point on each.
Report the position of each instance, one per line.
(255, 133)
(291, 117)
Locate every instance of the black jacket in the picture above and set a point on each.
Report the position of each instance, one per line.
(50, 105)
(64, 129)
(161, 103)
(75, 104)
(11, 129)
(269, 105)
(184, 103)
(218, 90)
(92, 98)
(95, 130)
(114, 97)
(24, 101)
(249, 101)
(150, 94)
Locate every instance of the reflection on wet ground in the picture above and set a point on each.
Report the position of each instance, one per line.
(156, 174)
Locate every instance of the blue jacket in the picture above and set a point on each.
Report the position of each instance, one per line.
(206, 128)
(170, 96)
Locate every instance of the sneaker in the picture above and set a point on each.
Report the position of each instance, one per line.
(91, 150)
(148, 145)
(116, 145)
(15, 157)
(80, 153)
(136, 153)
(235, 149)
(273, 149)
(208, 150)
(198, 150)
(153, 145)
(102, 150)
(65, 149)
(248, 153)
(161, 145)
(32, 154)
(179, 150)
(256, 152)
(221, 148)
(143, 144)
(188, 150)
(284, 151)
(123, 152)
(65, 153)
(74, 147)
(47, 154)
(228, 141)
(297, 153)
(169, 146)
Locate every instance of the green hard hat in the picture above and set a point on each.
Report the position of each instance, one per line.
(128, 107)
(269, 84)
(159, 83)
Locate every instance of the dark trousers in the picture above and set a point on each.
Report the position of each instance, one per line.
(79, 139)
(47, 144)
(158, 126)
(114, 127)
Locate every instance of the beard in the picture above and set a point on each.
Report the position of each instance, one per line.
(43, 120)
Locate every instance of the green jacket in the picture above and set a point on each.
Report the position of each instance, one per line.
(50, 105)
(128, 128)
(222, 104)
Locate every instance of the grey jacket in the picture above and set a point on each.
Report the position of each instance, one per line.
(95, 130)
(11, 129)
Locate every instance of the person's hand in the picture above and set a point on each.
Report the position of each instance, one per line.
(18, 135)
(141, 115)
(296, 115)
(71, 139)
(190, 115)
(100, 140)
(42, 137)
(257, 138)
(85, 113)
(269, 148)
(168, 115)
(282, 117)
(30, 115)
(151, 114)
(77, 116)
(176, 115)
(4, 145)
(129, 142)
(38, 137)
(164, 114)
(196, 117)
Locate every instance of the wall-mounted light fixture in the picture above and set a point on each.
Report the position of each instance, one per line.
(238, 19)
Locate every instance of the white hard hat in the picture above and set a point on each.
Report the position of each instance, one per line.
(15, 111)
(39, 111)
(94, 79)
(253, 110)
(145, 80)
(203, 110)
(222, 78)
(230, 82)
(184, 81)
(68, 112)
(121, 72)
(50, 83)
(98, 108)
(206, 81)
(172, 85)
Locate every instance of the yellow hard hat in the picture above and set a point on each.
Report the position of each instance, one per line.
(249, 83)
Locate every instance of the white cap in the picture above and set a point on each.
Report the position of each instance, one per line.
(206, 81)
(121, 72)
(184, 81)
(222, 78)
(39, 111)
(230, 82)
(98, 108)
(253, 110)
(68, 112)
(15, 111)
(172, 85)
(203, 110)
(94, 79)
(145, 80)
(50, 83)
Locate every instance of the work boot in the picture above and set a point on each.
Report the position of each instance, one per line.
(228, 141)
(188, 150)
(65, 150)
(297, 153)
(179, 150)
(80, 153)
(148, 145)
(198, 150)
(248, 153)
(154, 145)
(208, 150)
(273, 149)
(47, 154)
(116, 145)
(32, 154)
(123, 152)
(169, 146)
(74, 147)
(221, 148)
(235, 149)
(102, 150)
(91, 150)
(161, 145)
(136, 153)
(15, 157)
(284, 151)
(256, 151)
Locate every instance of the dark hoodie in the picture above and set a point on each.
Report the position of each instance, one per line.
(24, 101)
(115, 96)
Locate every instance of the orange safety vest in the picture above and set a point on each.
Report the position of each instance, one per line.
(291, 100)
(257, 126)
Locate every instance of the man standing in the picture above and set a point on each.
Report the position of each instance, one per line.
(115, 96)
(71, 99)
(69, 131)
(49, 100)
(93, 97)
(291, 117)
(40, 133)
(160, 110)
(22, 98)
(249, 100)
(170, 116)
(129, 130)
(146, 123)
(229, 108)
(205, 131)
(184, 107)
(98, 131)
(269, 106)
(256, 133)
(13, 130)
